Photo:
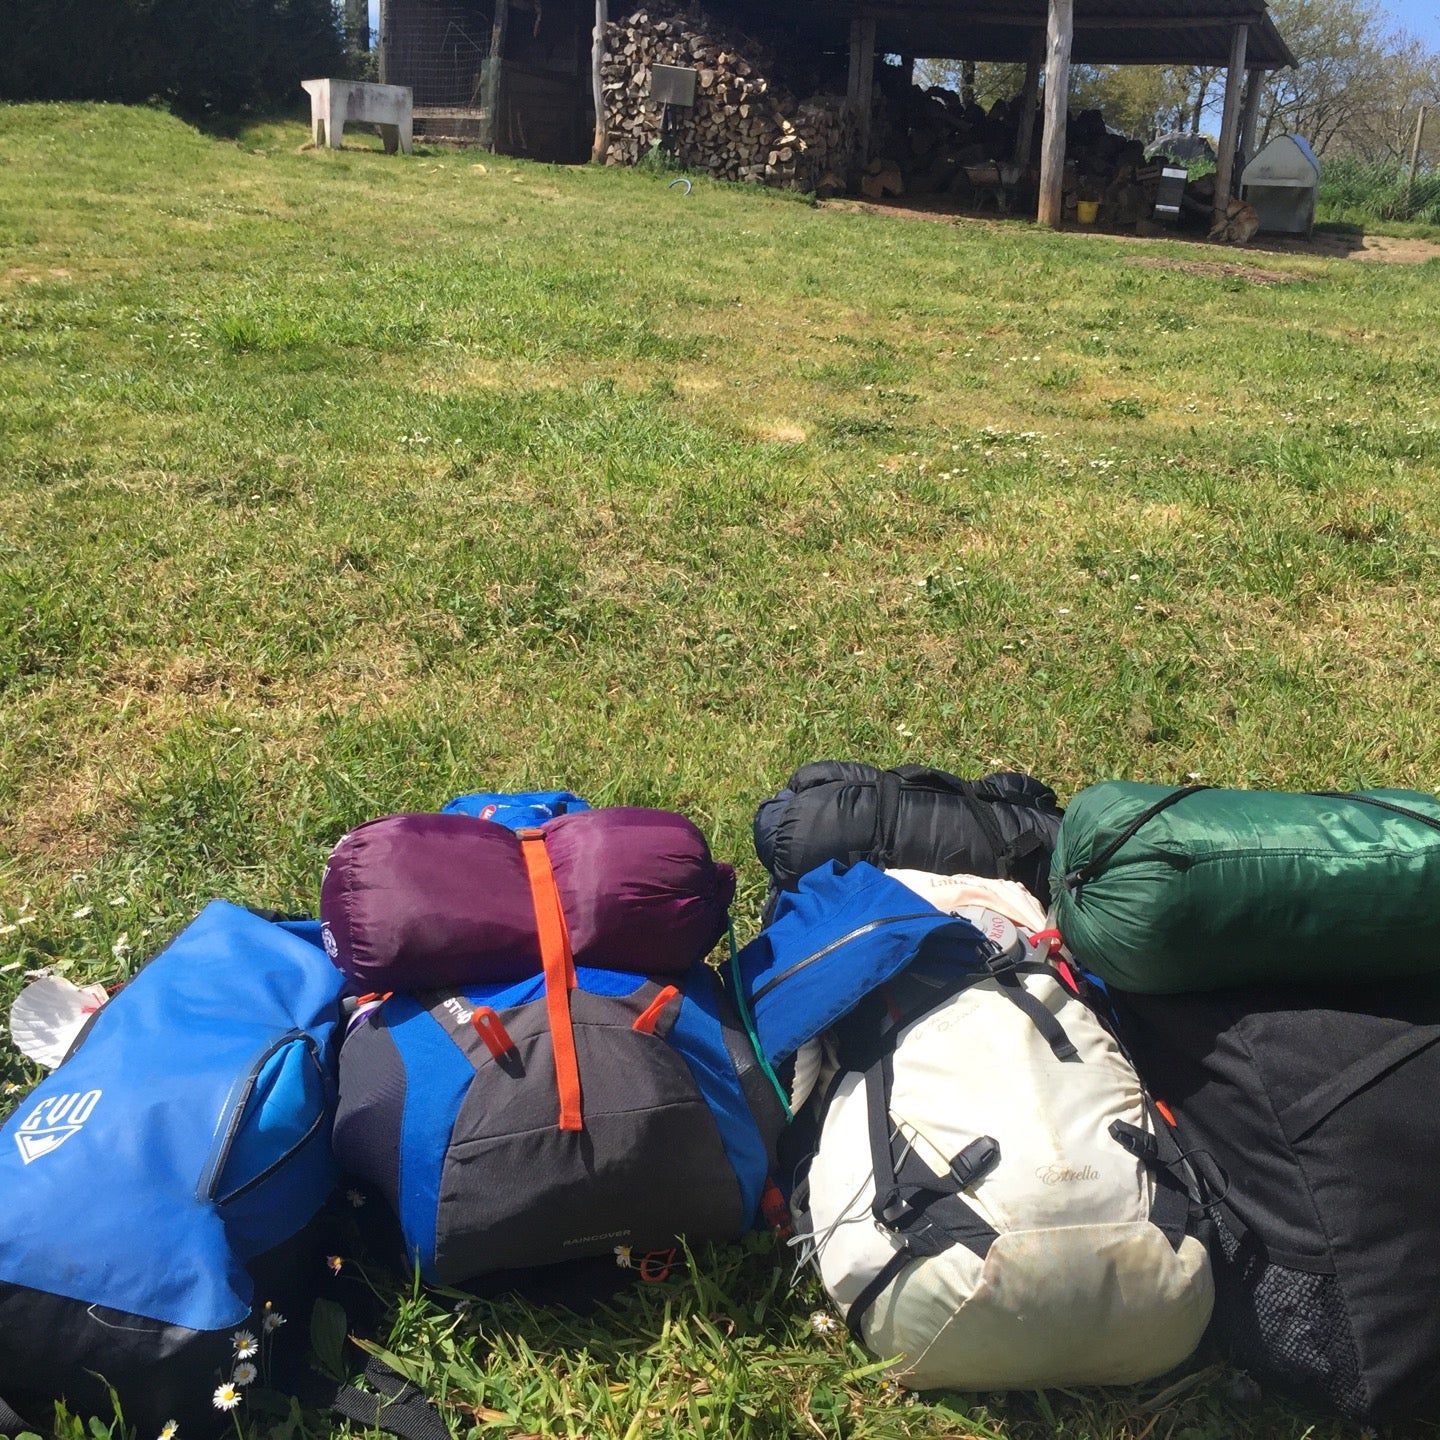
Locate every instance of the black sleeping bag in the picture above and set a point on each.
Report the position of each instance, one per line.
(912, 817)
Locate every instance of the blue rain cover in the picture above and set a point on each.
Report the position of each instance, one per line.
(843, 933)
(431, 1108)
(519, 811)
(134, 1176)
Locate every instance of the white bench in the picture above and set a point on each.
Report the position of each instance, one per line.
(333, 103)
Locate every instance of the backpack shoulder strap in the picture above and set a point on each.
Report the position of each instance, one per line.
(392, 1404)
(11, 1422)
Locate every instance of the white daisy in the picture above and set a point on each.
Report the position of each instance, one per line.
(245, 1373)
(245, 1344)
(334, 1264)
(355, 1198)
(272, 1322)
(169, 1430)
(226, 1397)
(622, 1257)
(823, 1323)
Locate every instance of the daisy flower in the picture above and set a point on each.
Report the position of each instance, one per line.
(334, 1263)
(245, 1373)
(245, 1344)
(355, 1198)
(272, 1322)
(226, 1397)
(622, 1256)
(169, 1430)
(823, 1323)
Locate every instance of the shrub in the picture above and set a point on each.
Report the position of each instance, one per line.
(1357, 191)
(202, 56)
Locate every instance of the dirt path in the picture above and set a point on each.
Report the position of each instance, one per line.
(1387, 249)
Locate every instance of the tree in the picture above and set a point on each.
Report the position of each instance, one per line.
(201, 56)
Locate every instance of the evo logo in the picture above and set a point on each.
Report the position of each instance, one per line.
(52, 1122)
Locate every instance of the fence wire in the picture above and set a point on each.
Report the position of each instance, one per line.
(438, 48)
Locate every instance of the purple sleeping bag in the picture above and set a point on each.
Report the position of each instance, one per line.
(419, 902)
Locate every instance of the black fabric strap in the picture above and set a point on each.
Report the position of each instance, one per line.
(855, 1315)
(887, 817)
(1039, 1014)
(1097, 863)
(11, 1422)
(879, 1078)
(988, 826)
(395, 1405)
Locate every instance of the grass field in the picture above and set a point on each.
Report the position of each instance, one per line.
(332, 485)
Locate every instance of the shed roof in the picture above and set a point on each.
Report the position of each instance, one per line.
(1107, 32)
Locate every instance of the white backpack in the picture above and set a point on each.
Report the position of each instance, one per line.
(993, 1203)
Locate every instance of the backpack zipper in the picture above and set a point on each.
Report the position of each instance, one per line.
(834, 945)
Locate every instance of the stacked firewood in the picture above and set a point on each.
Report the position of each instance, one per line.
(744, 125)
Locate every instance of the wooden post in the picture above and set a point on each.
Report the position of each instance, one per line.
(967, 82)
(597, 61)
(862, 83)
(494, 82)
(1415, 154)
(1029, 98)
(1230, 123)
(907, 69)
(382, 67)
(1250, 114)
(1059, 34)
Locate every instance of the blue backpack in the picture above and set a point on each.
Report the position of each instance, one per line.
(449, 1107)
(154, 1187)
(521, 811)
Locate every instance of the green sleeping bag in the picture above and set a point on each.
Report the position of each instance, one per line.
(1159, 890)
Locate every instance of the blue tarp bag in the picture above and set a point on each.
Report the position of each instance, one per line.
(155, 1189)
(521, 811)
(840, 936)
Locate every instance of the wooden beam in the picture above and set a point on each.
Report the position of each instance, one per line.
(1250, 113)
(977, 16)
(1029, 98)
(1060, 32)
(862, 83)
(597, 62)
(1230, 122)
(494, 85)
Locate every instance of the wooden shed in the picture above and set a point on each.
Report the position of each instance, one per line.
(528, 89)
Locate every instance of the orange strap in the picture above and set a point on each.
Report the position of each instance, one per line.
(559, 967)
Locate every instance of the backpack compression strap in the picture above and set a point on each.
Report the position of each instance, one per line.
(559, 965)
(10, 1422)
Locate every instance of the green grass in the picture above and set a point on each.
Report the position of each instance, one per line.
(331, 485)
(1377, 197)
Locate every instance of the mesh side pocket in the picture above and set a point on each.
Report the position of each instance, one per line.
(1290, 1324)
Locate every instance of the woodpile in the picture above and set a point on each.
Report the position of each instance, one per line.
(931, 142)
(745, 123)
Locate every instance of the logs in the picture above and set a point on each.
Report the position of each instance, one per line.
(745, 124)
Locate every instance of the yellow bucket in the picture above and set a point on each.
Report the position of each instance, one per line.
(1087, 211)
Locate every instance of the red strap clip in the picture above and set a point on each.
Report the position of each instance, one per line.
(646, 1021)
(1051, 939)
(656, 1266)
(491, 1029)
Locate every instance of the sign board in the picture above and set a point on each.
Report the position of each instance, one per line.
(672, 84)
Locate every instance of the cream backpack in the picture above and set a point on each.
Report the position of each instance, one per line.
(993, 1202)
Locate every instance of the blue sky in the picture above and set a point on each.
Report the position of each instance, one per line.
(1420, 17)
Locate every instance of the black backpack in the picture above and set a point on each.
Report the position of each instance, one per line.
(1311, 1115)
(1002, 826)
